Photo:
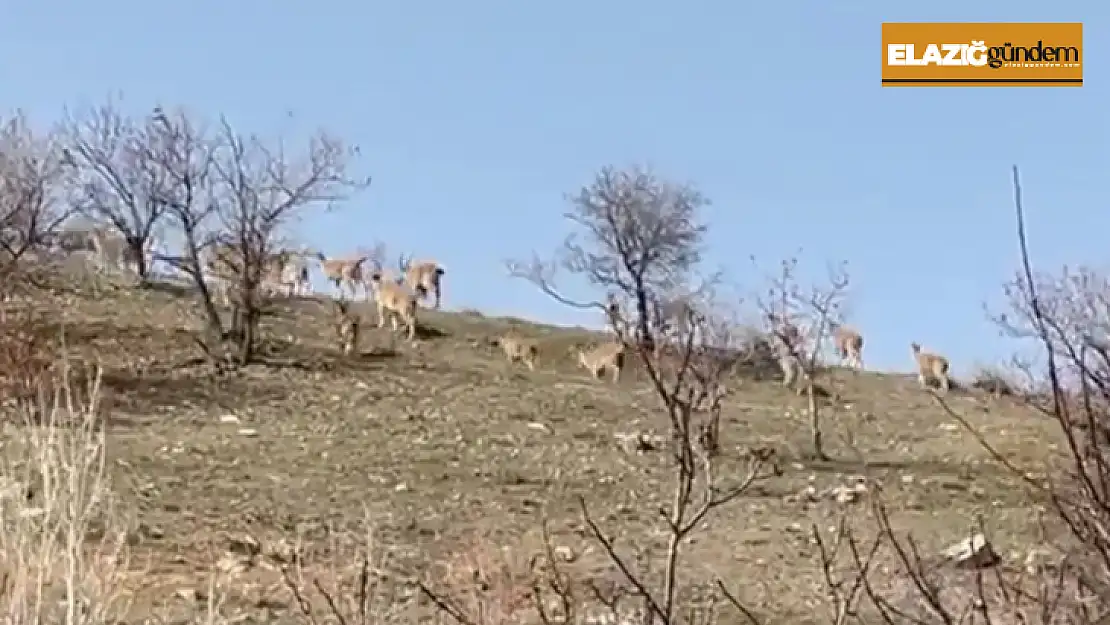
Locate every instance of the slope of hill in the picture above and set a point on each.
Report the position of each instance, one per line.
(444, 445)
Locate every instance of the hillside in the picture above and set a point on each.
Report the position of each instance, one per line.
(444, 446)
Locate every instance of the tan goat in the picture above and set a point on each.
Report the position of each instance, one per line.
(113, 252)
(787, 333)
(219, 264)
(344, 272)
(394, 301)
(519, 349)
(347, 326)
(287, 271)
(423, 277)
(931, 367)
(849, 345)
(596, 360)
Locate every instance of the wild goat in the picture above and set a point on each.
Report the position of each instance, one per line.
(788, 345)
(394, 300)
(344, 272)
(787, 333)
(113, 252)
(520, 349)
(71, 240)
(288, 271)
(346, 327)
(423, 277)
(931, 367)
(849, 345)
(793, 367)
(220, 266)
(597, 359)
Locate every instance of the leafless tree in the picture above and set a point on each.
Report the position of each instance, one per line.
(120, 183)
(801, 320)
(639, 242)
(258, 189)
(34, 183)
(637, 236)
(1068, 583)
(181, 149)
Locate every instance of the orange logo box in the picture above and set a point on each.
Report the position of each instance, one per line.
(940, 54)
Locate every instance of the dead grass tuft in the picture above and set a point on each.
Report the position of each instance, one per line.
(63, 551)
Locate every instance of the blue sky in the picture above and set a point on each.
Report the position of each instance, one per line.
(479, 116)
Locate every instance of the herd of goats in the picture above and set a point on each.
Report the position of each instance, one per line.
(397, 296)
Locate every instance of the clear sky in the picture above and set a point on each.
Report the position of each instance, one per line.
(474, 119)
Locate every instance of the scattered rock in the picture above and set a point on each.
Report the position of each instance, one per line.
(281, 551)
(1040, 559)
(564, 553)
(640, 442)
(842, 494)
(975, 552)
(233, 565)
(845, 495)
(244, 545)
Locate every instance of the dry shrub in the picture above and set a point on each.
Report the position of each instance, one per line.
(484, 583)
(1065, 317)
(994, 381)
(361, 591)
(26, 355)
(62, 545)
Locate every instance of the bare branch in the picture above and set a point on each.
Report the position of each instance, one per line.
(34, 181)
(259, 188)
(636, 235)
(801, 322)
(638, 241)
(120, 181)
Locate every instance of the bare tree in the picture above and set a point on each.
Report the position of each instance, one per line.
(640, 243)
(121, 183)
(34, 182)
(181, 150)
(802, 319)
(637, 236)
(260, 188)
(1067, 584)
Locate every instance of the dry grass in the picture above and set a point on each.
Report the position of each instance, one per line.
(445, 449)
(62, 546)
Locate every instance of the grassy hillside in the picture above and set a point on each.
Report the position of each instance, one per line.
(443, 446)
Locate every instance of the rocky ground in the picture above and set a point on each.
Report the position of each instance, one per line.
(443, 451)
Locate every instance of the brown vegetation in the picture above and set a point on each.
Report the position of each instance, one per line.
(271, 478)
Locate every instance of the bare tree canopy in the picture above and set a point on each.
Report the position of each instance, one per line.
(637, 237)
(801, 320)
(635, 228)
(34, 174)
(259, 187)
(229, 196)
(120, 183)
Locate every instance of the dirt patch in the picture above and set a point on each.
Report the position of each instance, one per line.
(443, 441)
